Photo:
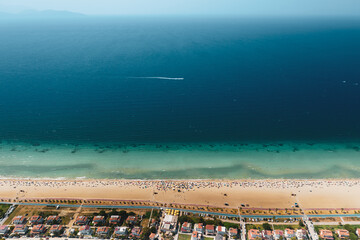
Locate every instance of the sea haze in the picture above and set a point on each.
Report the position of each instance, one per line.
(103, 81)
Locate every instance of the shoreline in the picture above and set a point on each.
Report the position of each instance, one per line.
(176, 162)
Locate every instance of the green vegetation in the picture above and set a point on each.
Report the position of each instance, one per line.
(46, 214)
(301, 223)
(230, 225)
(3, 209)
(267, 226)
(254, 226)
(184, 237)
(155, 214)
(145, 233)
(208, 238)
(283, 227)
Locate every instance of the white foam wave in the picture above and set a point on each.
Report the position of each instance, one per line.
(162, 78)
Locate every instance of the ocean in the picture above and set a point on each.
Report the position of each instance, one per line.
(180, 97)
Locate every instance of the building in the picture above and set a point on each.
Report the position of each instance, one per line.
(38, 229)
(233, 232)
(98, 220)
(85, 230)
(114, 219)
(186, 227)
(121, 231)
(136, 232)
(326, 234)
(301, 234)
(82, 220)
(210, 230)
(20, 229)
(196, 235)
(221, 230)
(152, 236)
(19, 220)
(267, 234)
(169, 224)
(34, 220)
(102, 231)
(254, 234)
(56, 229)
(50, 220)
(277, 234)
(289, 233)
(4, 230)
(342, 233)
(199, 227)
(131, 220)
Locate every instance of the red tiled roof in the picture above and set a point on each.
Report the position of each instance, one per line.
(278, 232)
(52, 218)
(210, 227)
(18, 218)
(56, 228)
(38, 228)
(3, 227)
(102, 229)
(131, 218)
(267, 232)
(86, 227)
(19, 227)
(343, 232)
(114, 217)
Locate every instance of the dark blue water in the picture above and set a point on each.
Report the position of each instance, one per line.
(244, 79)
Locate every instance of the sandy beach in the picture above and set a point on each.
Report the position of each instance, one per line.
(254, 193)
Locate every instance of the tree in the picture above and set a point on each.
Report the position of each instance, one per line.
(353, 236)
(185, 218)
(348, 227)
(132, 214)
(102, 213)
(145, 233)
(301, 223)
(147, 214)
(266, 226)
(153, 229)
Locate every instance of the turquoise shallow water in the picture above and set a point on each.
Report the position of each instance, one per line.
(180, 161)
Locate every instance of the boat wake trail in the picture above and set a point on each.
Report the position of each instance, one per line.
(161, 78)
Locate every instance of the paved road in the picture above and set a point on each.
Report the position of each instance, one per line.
(337, 223)
(71, 223)
(311, 229)
(7, 214)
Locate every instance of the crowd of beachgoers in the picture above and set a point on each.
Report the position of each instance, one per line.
(171, 185)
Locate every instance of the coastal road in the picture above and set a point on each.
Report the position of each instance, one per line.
(7, 214)
(337, 223)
